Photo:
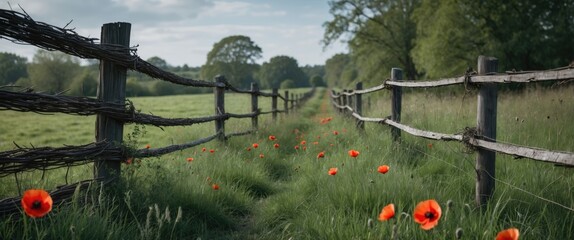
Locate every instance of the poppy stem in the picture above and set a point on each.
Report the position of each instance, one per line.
(395, 232)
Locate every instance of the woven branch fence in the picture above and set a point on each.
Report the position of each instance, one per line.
(483, 136)
(111, 107)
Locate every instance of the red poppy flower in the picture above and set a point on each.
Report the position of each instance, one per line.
(276, 145)
(383, 169)
(304, 147)
(36, 203)
(335, 133)
(189, 159)
(272, 138)
(261, 155)
(353, 153)
(255, 145)
(321, 155)
(297, 147)
(248, 149)
(208, 179)
(427, 213)
(203, 149)
(147, 146)
(387, 212)
(303, 142)
(333, 171)
(215, 186)
(129, 161)
(211, 150)
(429, 145)
(508, 234)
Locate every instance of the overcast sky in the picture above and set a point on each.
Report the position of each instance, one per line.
(184, 31)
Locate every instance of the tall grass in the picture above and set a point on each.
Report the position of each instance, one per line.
(288, 193)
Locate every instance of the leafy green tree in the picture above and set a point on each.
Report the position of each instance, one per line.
(314, 70)
(158, 62)
(317, 81)
(448, 41)
(12, 68)
(279, 69)
(234, 57)
(84, 84)
(335, 67)
(53, 71)
(287, 84)
(382, 28)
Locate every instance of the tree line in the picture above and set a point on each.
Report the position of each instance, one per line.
(234, 57)
(432, 39)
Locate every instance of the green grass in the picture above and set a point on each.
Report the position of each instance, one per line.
(288, 193)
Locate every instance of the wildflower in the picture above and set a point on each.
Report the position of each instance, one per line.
(36, 203)
(303, 142)
(272, 138)
(304, 147)
(333, 171)
(315, 143)
(208, 179)
(211, 150)
(296, 147)
(215, 186)
(129, 161)
(276, 145)
(189, 159)
(429, 145)
(427, 213)
(203, 149)
(255, 145)
(335, 133)
(321, 155)
(248, 149)
(508, 234)
(147, 146)
(261, 155)
(387, 212)
(383, 169)
(353, 153)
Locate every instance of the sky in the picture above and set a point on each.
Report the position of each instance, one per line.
(184, 31)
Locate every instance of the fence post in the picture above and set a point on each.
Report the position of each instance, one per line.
(397, 98)
(344, 99)
(293, 101)
(339, 100)
(286, 103)
(219, 92)
(274, 103)
(359, 106)
(486, 129)
(111, 88)
(254, 105)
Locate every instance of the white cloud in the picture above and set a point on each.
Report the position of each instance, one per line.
(240, 8)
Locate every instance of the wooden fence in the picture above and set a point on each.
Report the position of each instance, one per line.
(112, 110)
(483, 136)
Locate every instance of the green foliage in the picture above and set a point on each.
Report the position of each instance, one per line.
(339, 70)
(234, 57)
(280, 68)
(52, 71)
(288, 83)
(158, 62)
(317, 81)
(12, 68)
(84, 84)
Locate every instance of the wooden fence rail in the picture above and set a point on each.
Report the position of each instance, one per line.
(116, 57)
(483, 137)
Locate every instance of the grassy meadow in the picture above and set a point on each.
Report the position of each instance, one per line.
(286, 193)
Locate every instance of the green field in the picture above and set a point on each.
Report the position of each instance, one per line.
(288, 194)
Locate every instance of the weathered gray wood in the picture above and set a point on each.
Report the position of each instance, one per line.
(359, 106)
(286, 103)
(486, 129)
(254, 105)
(293, 101)
(111, 88)
(396, 102)
(274, 103)
(527, 77)
(218, 93)
(561, 158)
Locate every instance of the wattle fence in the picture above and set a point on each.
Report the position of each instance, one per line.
(111, 107)
(483, 136)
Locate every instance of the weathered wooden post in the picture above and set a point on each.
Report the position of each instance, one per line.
(486, 130)
(344, 101)
(293, 102)
(111, 88)
(350, 100)
(286, 103)
(339, 101)
(274, 103)
(396, 101)
(359, 106)
(219, 92)
(254, 105)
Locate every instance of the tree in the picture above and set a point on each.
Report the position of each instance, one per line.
(280, 68)
(383, 28)
(335, 67)
(234, 57)
(52, 71)
(84, 84)
(158, 62)
(288, 83)
(12, 68)
(448, 42)
(317, 81)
